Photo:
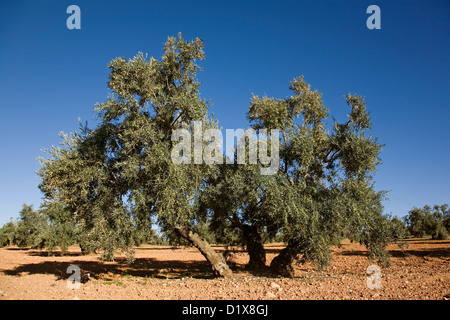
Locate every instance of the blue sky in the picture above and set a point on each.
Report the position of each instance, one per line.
(50, 76)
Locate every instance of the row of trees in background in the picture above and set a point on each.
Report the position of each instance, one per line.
(433, 221)
(111, 182)
(54, 228)
(57, 230)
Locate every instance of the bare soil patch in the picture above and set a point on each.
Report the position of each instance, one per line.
(421, 271)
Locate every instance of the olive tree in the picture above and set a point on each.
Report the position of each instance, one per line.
(116, 177)
(325, 182)
(7, 234)
(434, 221)
(29, 228)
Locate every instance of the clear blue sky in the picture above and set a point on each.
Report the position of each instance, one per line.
(51, 76)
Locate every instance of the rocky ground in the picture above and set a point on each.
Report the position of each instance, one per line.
(422, 271)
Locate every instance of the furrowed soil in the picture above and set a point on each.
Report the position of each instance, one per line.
(420, 271)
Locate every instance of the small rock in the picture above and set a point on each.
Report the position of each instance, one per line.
(270, 295)
(275, 286)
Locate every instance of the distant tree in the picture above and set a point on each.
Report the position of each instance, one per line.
(29, 228)
(7, 234)
(446, 217)
(398, 229)
(429, 220)
(203, 229)
(60, 230)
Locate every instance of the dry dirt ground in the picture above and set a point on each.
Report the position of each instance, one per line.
(422, 271)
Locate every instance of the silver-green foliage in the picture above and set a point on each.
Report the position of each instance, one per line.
(117, 177)
(324, 189)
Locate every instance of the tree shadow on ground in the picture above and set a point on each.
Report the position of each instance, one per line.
(57, 253)
(443, 253)
(100, 270)
(264, 272)
(429, 241)
(141, 267)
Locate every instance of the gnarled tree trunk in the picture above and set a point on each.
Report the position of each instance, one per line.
(255, 247)
(283, 264)
(217, 261)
